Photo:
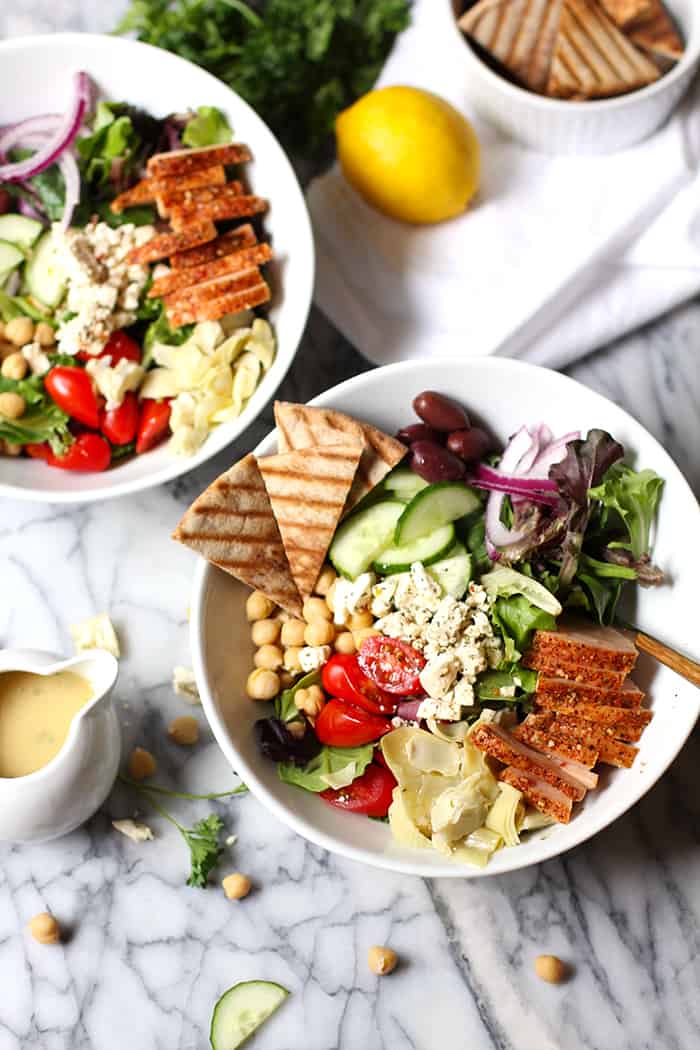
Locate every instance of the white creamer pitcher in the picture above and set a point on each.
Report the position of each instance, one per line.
(66, 792)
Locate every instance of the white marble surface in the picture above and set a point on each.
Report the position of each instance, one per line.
(145, 957)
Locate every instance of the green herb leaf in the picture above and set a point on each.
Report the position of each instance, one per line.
(328, 761)
(209, 127)
(205, 850)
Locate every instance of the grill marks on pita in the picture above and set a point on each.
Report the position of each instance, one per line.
(232, 525)
(576, 49)
(307, 490)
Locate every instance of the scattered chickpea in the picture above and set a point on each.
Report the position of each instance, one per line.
(293, 633)
(265, 632)
(141, 764)
(325, 580)
(45, 929)
(364, 632)
(45, 334)
(14, 366)
(291, 659)
(319, 632)
(345, 643)
(310, 700)
(258, 606)
(269, 656)
(316, 609)
(12, 406)
(184, 730)
(330, 595)
(359, 620)
(236, 886)
(262, 684)
(550, 968)
(20, 330)
(381, 960)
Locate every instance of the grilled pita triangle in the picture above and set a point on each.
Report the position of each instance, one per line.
(303, 426)
(308, 488)
(232, 525)
(592, 58)
(623, 12)
(519, 33)
(656, 34)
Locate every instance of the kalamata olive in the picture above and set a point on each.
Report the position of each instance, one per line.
(417, 432)
(469, 444)
(5, 201)
(434, 463)
(440, 412)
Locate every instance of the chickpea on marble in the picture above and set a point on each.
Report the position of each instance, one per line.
(45, 929)
(381, 960)
(184, 730)
(141, 764)
(550, 968)
(236, 886)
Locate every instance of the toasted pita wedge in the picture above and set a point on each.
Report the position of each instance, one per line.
(656, 34)
(308, 488)
(301, 426)
(623, 12)
(519, 33)
(592, 58)
(232, 525)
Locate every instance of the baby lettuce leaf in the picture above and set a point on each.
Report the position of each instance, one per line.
(42, 421)
(329, 760)
(517, 620)
(490, 683)
(208, 127)
(635, 496)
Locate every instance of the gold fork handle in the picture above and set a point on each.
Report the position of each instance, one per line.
(682, 665)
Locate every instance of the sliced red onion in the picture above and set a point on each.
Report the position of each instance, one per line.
(553, 453)
(514, 451)
(408, 710)
(498, 534)
(518, 494)
(27, 208)
(525, 482)
(71, 177)
(16, 134)
(58, 141)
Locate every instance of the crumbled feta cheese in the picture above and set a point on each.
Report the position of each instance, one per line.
(37, 360)
(352, 596)
(311, 657)
(383, 595)
(438, 675)
(96, 633)
(184, 684)
(444, 709)
(133, 830)
(114, 382)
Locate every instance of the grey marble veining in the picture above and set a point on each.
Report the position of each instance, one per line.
(145, 957)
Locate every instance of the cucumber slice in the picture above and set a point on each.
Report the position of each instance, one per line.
(45, 277)
(426, 549)
(18, 229)
(362, 537)
(10, 256)
(404, 484)
(453, 572)
(241, 1010)
(434, 506)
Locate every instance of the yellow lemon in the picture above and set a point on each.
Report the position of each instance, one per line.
(409, 153)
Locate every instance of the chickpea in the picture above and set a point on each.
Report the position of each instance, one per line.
(345, 643)
(291, 659)
(262, 684)
(270, 657)
(320, 632)
(20, 330)
(381, 960)
(316, 609)
(45, 929)
(550, 968)
(12, 406)
(14, 366)
(45, 334)
(364, 632)
(359, 620)
(236, 886)
(265, 632)
(141, 764)
(293, 633)
(325, 580)
(258, 606)
(310, 700)
(330, 595)
(184, 730)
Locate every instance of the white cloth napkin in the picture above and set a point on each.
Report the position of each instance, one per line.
(558, 256)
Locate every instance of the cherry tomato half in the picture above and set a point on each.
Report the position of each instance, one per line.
(119, 425)
(393, 665)
(89, 452)
(153, 424)
(342, 725)
(119, 346)
(72, 391)
(342, 677)
(371, 793)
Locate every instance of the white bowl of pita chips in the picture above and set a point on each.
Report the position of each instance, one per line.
(222, 649)
(576, 76)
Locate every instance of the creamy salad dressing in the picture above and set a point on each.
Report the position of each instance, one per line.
(35, 715)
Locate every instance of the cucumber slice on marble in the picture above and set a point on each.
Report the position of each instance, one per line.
(363, 536)
(241, 1010)
(454, 571)
(435, 506)
(425, 549)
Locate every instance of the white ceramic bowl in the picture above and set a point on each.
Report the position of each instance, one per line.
(556, 126)
(506, 393)
(35, 75)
